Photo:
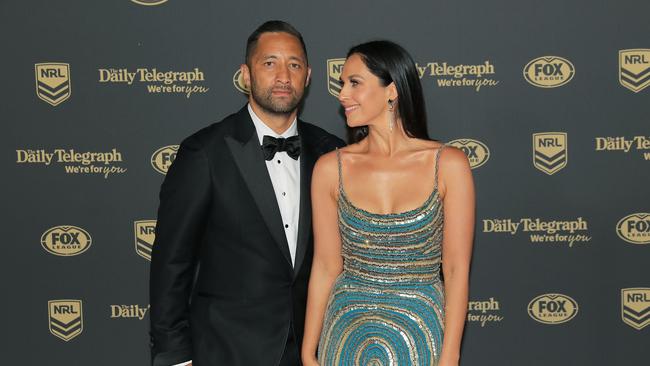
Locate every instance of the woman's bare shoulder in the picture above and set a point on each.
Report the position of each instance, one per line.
(326, 166)
(453, 156)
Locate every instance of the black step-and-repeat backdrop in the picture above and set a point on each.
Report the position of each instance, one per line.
(549, 99)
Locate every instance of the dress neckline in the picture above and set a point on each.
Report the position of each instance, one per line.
(435, 193)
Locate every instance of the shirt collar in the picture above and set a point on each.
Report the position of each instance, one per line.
(262, 129)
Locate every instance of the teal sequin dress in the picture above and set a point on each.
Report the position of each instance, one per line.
(387, 306)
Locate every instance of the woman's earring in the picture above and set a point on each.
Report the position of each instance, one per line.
(391, 115)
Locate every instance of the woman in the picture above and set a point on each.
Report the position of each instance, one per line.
(388, 210)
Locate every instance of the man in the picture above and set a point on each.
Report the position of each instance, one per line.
(233, 249)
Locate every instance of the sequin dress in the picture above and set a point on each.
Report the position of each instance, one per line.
(387, 306)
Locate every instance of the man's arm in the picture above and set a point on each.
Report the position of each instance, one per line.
(184, 200)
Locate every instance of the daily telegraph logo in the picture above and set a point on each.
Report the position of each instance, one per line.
(75, 162)
(239, 83)
(53, 82)
(476, 151)
(540, 231)
(634, 228)
(129, 311)
(65, 318)
(145, 234)
(622, 144)
(66, 240)
(549, 71)
(635, 307)
(158, 82)
(473, 76)
(634, 68)
(484, 312)
(550, 151)
(163, 158)
(552, 308)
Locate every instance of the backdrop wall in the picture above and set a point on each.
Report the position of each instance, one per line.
(550, 101)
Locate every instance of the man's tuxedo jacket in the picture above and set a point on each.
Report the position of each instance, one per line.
(222, 288)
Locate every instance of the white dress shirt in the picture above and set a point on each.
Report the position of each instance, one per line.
(285, 177)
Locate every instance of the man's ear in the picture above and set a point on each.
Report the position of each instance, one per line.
(246, 75)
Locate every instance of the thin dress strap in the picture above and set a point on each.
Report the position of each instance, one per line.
(437, 163)
(338, 159)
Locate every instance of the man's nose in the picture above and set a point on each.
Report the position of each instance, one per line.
(283, 76)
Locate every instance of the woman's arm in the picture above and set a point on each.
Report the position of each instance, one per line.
(328, 263)
(458, 232)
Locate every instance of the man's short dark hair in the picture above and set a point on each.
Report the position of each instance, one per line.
(272, 26)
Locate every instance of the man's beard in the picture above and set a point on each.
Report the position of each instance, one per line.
(264, 98)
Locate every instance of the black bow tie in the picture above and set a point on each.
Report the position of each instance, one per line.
(271, 145)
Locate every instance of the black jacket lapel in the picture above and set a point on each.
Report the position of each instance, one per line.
(246, 151)
(307, 160)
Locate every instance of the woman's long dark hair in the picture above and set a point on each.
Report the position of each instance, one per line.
(392, 64)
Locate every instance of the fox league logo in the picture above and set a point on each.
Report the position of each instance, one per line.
(634, 68)
(145, 234)
(550, 151)
(66, 240)
(239, 83)
(634, 228)
(549, 71)
(53, 82)
(334, 70)
(65, 318)
(552, 308)
(149, 2)
(635, 307)
(163, 158)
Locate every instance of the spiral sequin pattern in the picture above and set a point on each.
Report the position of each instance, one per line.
(386, 307)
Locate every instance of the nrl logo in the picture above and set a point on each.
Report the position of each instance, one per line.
(334, 69)
(65, 318)
(635, 307)
(634, 68)
(238, 82)
(53, 82)
(145, 234)
(550, 151)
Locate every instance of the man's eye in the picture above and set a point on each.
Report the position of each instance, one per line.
(268, 63)
(296, 66)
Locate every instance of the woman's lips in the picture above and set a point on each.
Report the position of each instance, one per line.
(350, 109)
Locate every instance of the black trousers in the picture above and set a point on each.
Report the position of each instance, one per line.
(291, 355)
